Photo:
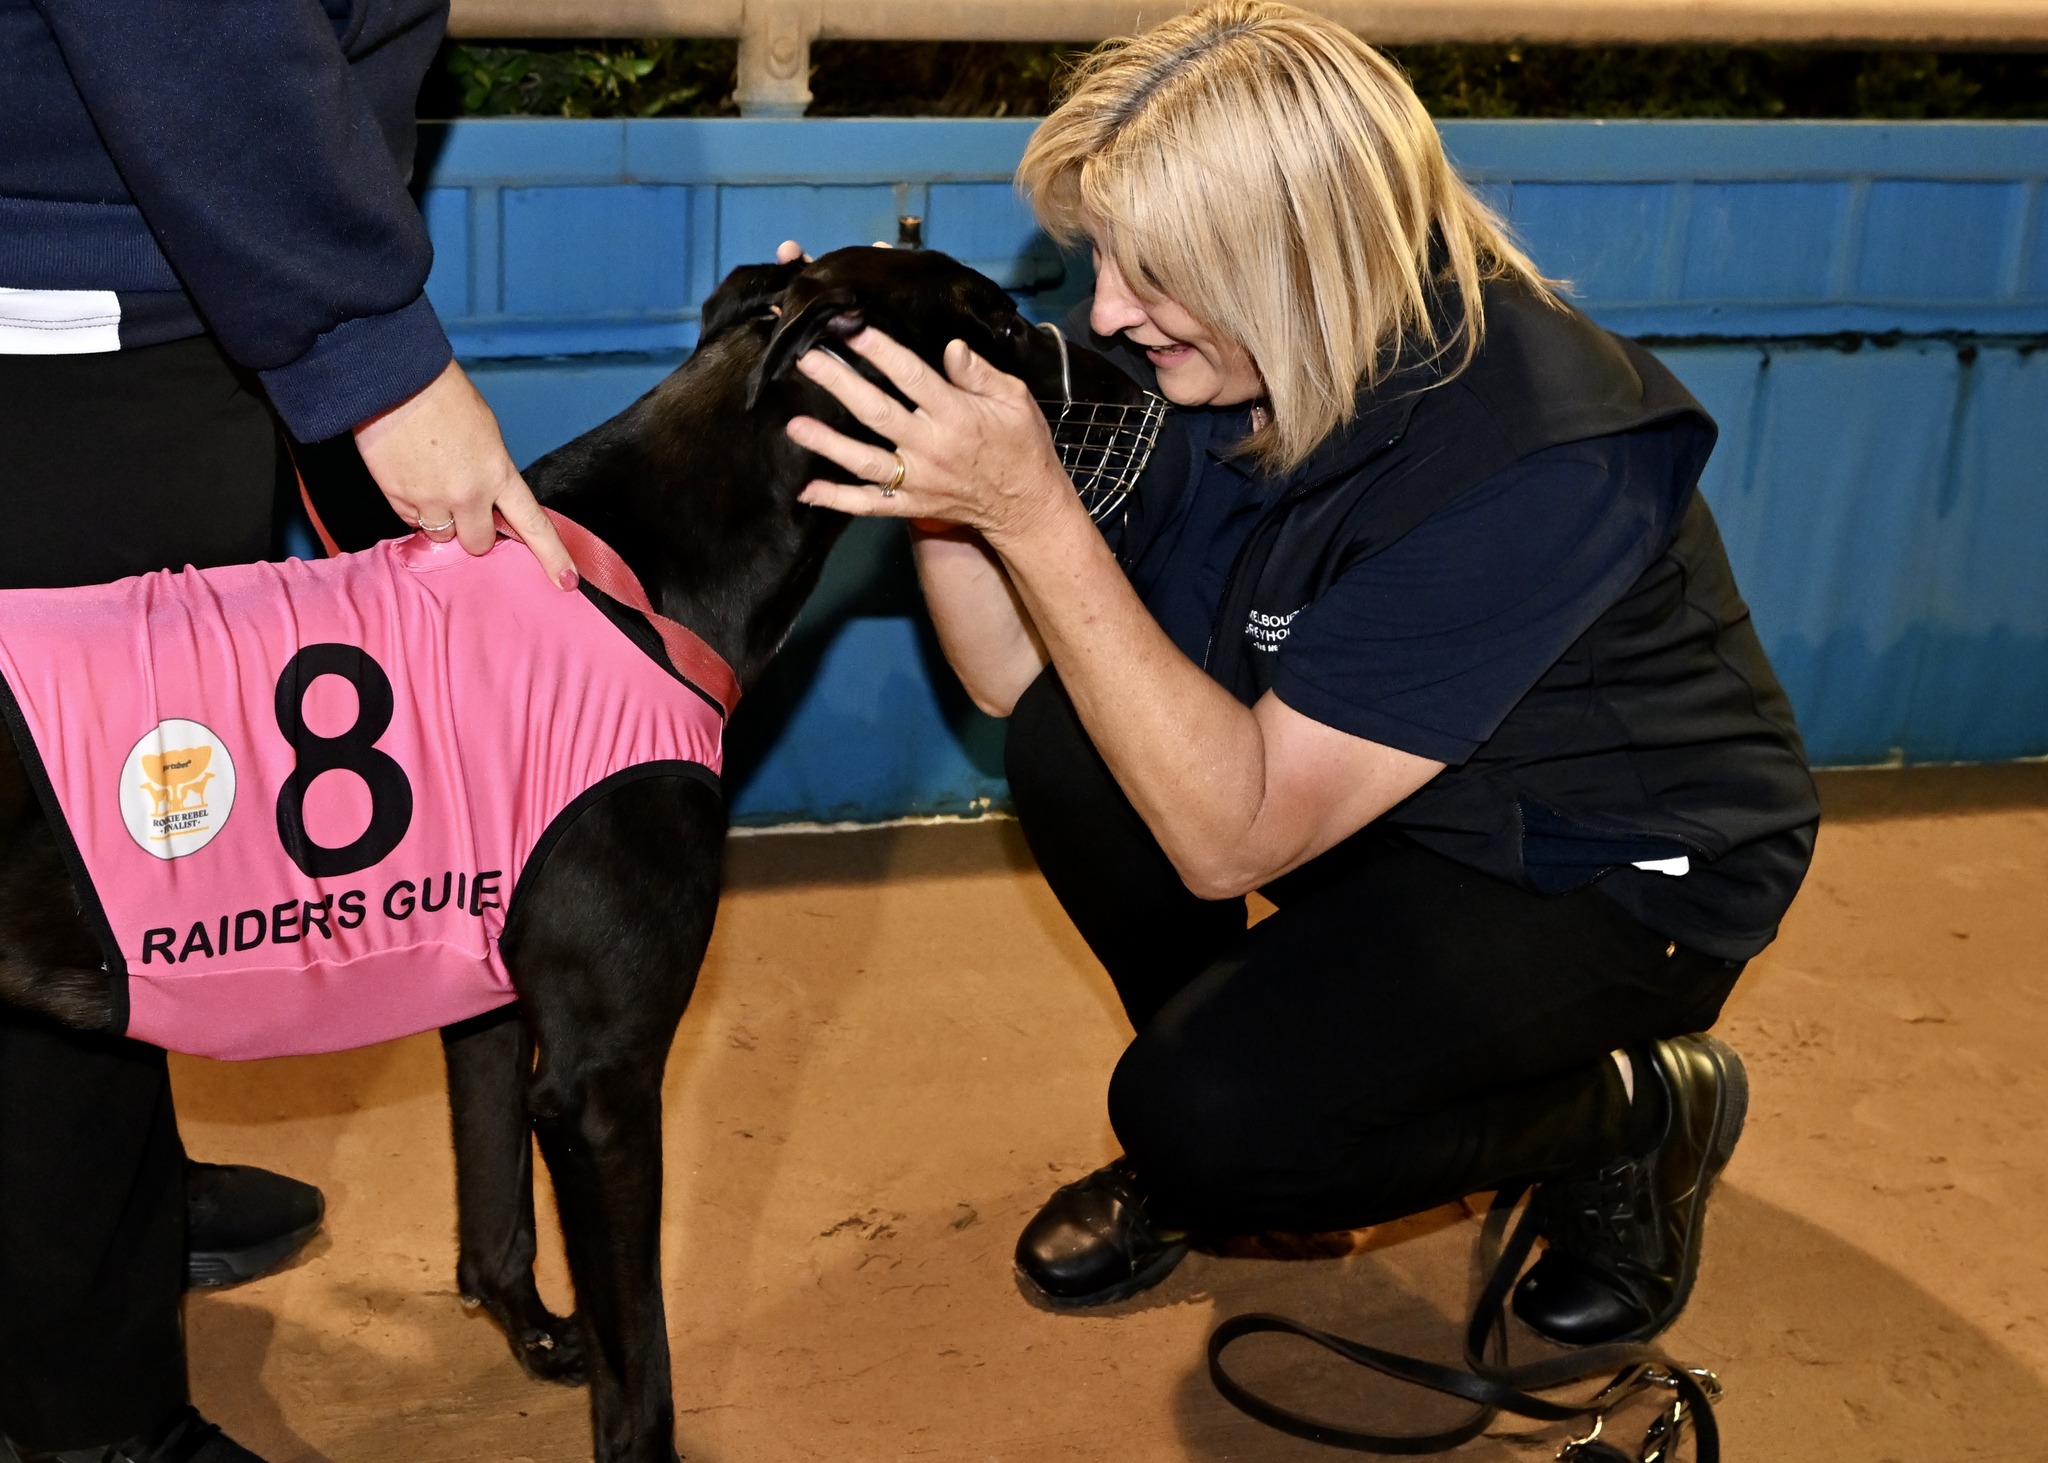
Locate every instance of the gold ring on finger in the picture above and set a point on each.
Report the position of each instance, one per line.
(895, 478)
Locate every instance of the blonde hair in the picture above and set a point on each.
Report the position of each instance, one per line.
(1278, 179)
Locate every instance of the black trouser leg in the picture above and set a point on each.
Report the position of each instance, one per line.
(92, 1238)
(1111, 877)
(1401, 1032)
(109, 465)
(122, 463)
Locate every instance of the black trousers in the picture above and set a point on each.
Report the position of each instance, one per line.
(1402, 1032)
(110, 465)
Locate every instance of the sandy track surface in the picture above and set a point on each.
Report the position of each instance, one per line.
(899, 1047)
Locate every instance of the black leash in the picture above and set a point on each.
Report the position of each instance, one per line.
(1488, 1381)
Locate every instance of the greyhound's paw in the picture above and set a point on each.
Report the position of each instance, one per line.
(548, 1347)
(551, 1350)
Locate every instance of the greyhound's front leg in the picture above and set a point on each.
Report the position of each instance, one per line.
(489, 1059)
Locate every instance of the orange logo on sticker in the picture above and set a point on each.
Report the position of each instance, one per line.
(178, 787)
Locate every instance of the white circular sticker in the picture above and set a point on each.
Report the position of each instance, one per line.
(177, 788)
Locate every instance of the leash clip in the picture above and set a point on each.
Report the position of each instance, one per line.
(1661, 1438)
(1590, 1449)
(1574, 1448)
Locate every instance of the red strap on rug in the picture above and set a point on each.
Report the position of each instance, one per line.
(313, 515)
(695, 661)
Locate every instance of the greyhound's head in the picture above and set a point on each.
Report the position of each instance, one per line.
(923, 299)
(696, 483)
(1103, 424)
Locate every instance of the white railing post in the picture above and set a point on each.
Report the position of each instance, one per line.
(775, 56)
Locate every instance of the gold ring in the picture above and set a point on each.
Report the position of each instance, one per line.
(896, 478)
(433, 527)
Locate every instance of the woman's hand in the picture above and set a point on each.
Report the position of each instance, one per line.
(975, 452)
(442, 463)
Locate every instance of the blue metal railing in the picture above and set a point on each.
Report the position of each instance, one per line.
(1859, 304)
(606, 235)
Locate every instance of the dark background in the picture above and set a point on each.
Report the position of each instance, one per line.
(670, 78)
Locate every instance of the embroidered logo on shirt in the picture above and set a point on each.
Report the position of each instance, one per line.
(177, 788)
(1267, 631)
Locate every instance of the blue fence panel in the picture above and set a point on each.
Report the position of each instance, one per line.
(1944, 241)
(988, 226)
(1606, 240)
(2032, 248)
(1820, 517)
(1756, 241)
(752, 221)
(1772, 229)
(629, 246)
(541, 405)
(1981, 687)
(891, 731)
(1886, 506)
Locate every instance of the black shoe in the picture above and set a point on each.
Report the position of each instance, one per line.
(186, 1438)
(244, 1222)
(1095, 1242)
(1624, 1245)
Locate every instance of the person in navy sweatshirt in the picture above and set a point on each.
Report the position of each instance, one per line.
(204, 233)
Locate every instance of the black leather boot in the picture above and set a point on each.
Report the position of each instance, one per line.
(1623, 1245)
(242, 1222)
(1096, 1242)
(186, 1438)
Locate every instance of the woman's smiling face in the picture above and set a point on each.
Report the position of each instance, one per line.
(1197, 367)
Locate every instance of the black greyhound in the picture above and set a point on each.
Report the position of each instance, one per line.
(695, 486)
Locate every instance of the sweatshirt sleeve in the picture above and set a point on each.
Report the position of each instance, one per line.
(263, 171)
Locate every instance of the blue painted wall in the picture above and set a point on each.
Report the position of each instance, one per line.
(1860, 305)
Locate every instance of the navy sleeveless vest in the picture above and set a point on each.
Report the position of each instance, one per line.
(1661, 732)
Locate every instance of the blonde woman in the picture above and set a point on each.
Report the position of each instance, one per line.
(1416, 625)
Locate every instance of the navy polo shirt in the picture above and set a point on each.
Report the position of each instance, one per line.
(1427, 645)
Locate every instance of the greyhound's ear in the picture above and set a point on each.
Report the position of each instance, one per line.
(834, 315)
(745, 294)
